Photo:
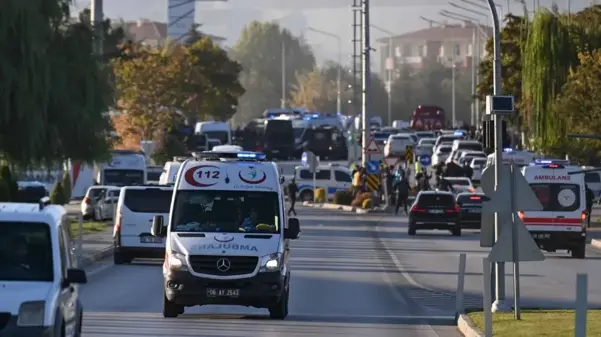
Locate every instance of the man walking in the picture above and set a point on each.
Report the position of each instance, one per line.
(401, 189)
(292, 191)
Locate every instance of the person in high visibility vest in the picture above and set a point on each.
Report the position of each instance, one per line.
(418, 167)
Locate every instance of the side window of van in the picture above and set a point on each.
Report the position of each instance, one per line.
(305, 174)
(342, 176)
(323, 175)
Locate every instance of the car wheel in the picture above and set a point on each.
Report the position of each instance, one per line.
(280, 308)
(306, 195)
(456, 231)
(411, 230)
(120, 258)
(79, 326)
(579, 252)
(170, 309)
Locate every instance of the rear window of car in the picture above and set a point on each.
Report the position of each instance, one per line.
(470, 146)
(558, 197)
(95, 192)
(400, 137)
(433, 200)
(470, 200)
(444, 149)
(151, 200)
(592, 178)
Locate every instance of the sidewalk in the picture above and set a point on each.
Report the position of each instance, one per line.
(96, 246)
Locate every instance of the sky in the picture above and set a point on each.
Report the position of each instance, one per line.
(397, 16)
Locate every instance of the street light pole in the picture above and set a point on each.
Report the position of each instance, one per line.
(283, 103)
(453, 96)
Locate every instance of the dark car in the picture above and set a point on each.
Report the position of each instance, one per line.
(470, 205)
(434, 210)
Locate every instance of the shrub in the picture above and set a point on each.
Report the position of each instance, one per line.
(343, 198)
(66, 182)
(320, 195)
(57, 196)
(4, 192)
(12, 189)
(367, 204)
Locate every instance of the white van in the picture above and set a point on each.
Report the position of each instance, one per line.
(227, 235)
(218, 131)
(39, 285)
(562, 222)
(520, 158)
(137, 207)
(169, 173)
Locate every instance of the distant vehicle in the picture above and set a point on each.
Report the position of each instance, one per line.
(209, 134)
(227, 148)
(125, 168)
(434, 210)
(276, 112)
(470, 205)
(153, 174)
(428, 117)
(279, 138)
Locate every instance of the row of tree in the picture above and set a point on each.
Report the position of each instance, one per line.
(552, 65)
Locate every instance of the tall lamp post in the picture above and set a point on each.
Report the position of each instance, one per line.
(338, 67)
(389, 70)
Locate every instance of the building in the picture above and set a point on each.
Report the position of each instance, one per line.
(448, 44)
(153, 33)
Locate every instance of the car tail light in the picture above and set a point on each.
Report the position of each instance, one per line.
(521, 214)
(86, 200)
(416, 209)
(584, 215)
(454, 210)
(118, 223)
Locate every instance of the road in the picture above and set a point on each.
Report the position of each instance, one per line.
(343, 283)
(431, 259)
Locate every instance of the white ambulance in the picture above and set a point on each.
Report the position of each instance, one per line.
(227, 236)
(561, 225)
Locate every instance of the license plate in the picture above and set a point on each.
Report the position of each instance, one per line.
(435, 211)
(150, 239)
(541, 236)
(223, 292)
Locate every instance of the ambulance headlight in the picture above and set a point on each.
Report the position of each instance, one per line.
(31, 313)
(176, 261)
(272, 262)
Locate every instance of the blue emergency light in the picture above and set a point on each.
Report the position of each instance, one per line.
(507, 150)
(251, 155)
(458, 133)
(542, 162)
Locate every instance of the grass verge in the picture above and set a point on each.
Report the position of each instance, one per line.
(539, 323)
(89, 227)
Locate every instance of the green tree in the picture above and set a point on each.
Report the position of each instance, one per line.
(115, 43)
(66, 183)
(314, 91)
(193, 35)
(57, 196)
(170, 144)
(579, 103)
(548, 56)
(10, 184)
(53, 90)
(513, 40)
(259, 51)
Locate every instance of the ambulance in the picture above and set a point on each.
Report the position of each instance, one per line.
(227, 235)
(561, 225)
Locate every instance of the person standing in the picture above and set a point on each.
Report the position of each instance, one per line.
(292, 191)
(590, 199)
(401, 189)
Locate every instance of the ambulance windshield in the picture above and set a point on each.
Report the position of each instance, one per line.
(226, 211)
(555, 197)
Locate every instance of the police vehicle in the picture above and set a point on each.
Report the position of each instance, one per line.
(561, 225)
(227, 236)
(39, 293)
(331, 177)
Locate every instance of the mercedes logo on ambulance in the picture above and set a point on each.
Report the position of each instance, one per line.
(223, 265)
(224, 238)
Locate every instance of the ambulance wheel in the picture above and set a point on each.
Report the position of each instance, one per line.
(120, 258)
(306, 195)
(280, 309)
(579, 252)
(170, 309)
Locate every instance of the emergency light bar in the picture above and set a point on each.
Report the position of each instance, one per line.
(507, 150)
(458, 133)
(544, 162)
(241, 156)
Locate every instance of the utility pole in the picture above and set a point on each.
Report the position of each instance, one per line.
(283, 105)
(96, 15)
(356, 57)
(366, 83)
(473, 105)
(453, 95)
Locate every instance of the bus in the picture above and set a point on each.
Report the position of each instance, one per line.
(126, 168)
(428, 117)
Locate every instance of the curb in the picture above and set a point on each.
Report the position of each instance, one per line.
(596, 243)
(467, 327)
(345, 208)
(93, 258)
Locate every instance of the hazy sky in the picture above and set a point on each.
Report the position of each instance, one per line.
(227, 18)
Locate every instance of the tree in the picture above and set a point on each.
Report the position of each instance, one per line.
(314, 91)
(66, 184)
(513, 40)
(114, 43)
(259, 51)
(10, 184)
(548, 56)
(579, 103)
(193, 35)
(53, 90)
(57, 196)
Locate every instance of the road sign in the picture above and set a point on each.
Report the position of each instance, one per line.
(373, 167)
(310, 160)
(373, 182)
(391, 161)
(409, 154)
(425, 160)
(372, 147)
(528, 250)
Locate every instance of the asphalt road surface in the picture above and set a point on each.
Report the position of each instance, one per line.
(431, 259)
(343, 283)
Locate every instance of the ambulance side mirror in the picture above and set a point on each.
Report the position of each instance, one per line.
(158, 226)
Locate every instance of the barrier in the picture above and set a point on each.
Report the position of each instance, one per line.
(372, 181)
